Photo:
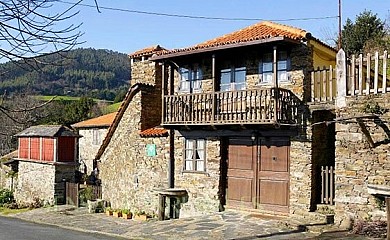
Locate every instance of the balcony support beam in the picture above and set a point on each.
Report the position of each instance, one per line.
(275, 77)
(162, 91)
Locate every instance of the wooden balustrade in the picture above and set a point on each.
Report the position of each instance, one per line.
(232, 107)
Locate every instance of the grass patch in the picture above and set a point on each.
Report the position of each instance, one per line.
(66, 98)
(6, 211)
(113, 107)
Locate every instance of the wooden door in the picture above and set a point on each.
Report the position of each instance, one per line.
(273, 174)
(241, 172)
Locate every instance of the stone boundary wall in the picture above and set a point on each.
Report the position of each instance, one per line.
(357, 162)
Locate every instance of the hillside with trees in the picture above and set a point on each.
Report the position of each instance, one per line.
(88, 72)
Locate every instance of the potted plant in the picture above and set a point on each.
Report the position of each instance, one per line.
(117, 213)
(126, 214)
(140, 215)
(108, 211)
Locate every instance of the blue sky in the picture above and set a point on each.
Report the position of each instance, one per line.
(127, 32)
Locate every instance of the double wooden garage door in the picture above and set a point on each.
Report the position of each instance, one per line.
(258, 174)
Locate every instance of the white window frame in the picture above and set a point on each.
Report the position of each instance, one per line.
(232, 84)
(266, 68)
(190, 79)
(96, 137)
(194, 155)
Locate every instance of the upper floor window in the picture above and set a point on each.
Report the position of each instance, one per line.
(195, 155)
(233, 79)
(96, 137)
(266, 67)
(190, 79)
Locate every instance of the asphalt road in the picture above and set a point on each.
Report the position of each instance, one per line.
(16, 229)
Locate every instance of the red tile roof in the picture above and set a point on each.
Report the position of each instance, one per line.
(154, 132)
(102, 121)
(259, 31)
(147, 51)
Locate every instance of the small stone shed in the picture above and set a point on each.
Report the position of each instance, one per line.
(47, 157)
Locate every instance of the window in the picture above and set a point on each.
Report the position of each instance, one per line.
(195, 155)
(96, 138)
(233, 79)
(266, 67)
(190, 79)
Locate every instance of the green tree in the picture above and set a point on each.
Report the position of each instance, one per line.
(366, 30)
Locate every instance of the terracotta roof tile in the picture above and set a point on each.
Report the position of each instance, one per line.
(102, 121)
(258, 31)
(154, 132)
(147, 51)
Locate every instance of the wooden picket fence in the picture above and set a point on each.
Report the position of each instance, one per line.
(327, 186)
(364, 75)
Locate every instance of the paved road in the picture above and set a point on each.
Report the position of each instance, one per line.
(16, 229)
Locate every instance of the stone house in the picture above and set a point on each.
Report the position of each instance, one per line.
(92, 133)
(260, 119)
(239, 125)
(47, 157)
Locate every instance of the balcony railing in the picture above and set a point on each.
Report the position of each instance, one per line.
(258, 106)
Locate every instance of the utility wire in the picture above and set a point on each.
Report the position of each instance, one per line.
(198, 17)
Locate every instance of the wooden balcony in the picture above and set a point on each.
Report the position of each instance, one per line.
(257, 106)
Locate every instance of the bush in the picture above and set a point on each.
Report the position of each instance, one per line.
(6, 196)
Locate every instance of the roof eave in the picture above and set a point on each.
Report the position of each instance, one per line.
(222, 47)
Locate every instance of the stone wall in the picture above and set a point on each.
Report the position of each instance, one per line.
(42, 181)
(300, 177)
(87, 149)
(359, 163)
(35, 180)
(203, 187)
(128, 175)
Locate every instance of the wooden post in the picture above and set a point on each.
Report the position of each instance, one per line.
(341, 70)
(388, 217)
(275, 77)
(214, 103)
(162, 92)
(161, 207)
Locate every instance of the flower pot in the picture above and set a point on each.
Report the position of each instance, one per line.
(117, 214)
(141, 217)
(126, 215)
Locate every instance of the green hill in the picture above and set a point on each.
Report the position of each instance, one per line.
(81, 72)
